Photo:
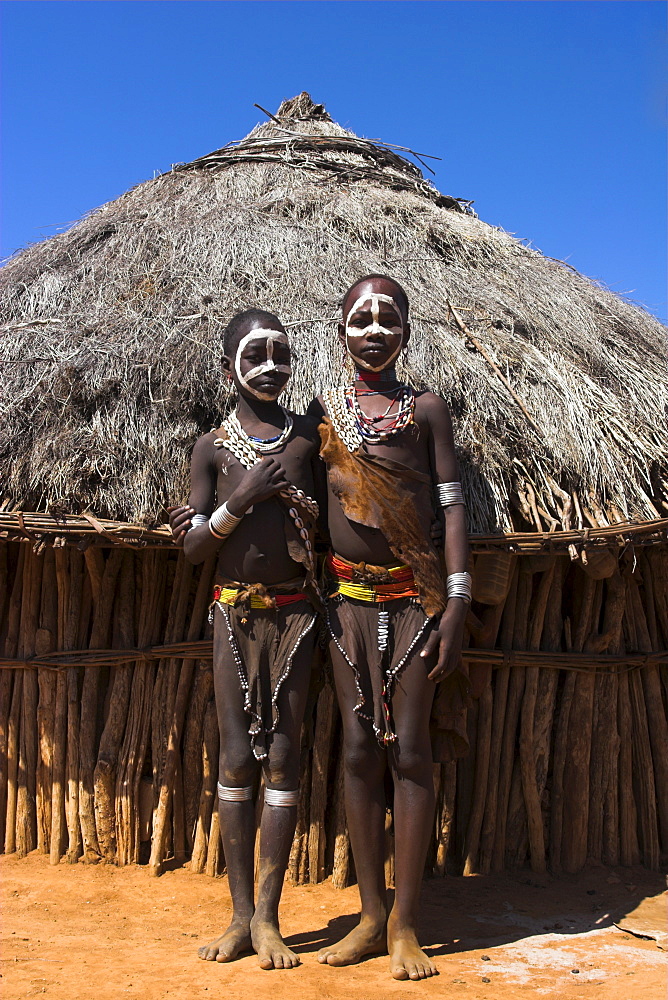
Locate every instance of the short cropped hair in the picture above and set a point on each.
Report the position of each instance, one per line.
(402, 296)
(237, 323)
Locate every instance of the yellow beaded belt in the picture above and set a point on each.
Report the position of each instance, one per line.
(230, 595)
(341, 574)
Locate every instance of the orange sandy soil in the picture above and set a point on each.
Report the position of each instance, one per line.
(97, 933)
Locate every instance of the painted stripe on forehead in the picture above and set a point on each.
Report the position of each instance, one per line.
(271, 336)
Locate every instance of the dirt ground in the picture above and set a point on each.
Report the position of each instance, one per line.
(97, 933)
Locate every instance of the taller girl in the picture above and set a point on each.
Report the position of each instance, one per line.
(395, 618)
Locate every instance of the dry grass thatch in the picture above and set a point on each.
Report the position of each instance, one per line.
(111, 336)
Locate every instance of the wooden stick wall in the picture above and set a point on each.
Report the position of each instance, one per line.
(118, 762)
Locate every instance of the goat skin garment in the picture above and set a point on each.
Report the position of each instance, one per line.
(384, 494)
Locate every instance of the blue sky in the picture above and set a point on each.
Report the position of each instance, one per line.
(550, 115)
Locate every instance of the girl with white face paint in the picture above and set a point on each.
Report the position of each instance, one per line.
(251, 347)
(395, 620)
(374, 345)
(250, 506)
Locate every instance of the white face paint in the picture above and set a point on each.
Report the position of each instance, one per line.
(268, 337)
(375, 327)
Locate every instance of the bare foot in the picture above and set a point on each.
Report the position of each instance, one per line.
(407, 959)
(272, 951)
(226, 948)
(368, 938)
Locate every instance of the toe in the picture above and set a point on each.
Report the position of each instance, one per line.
(277, 962)
(322, 957)
(398, 972)
(265, 962)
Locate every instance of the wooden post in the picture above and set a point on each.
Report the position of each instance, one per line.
(26, 817)
(104, 777)
(528, 749)
(656, 716)
(103, 576)
(326, 716)
(341, 861)
(78, 621)
(514, 700)
(58, 822)
(611, 834)
(135, 738)
(46, 641)
(548, 682)
(6, 680)
(193, 758)
(208, 797)
(644, 774)
(628, 817)
(178, 713)
(485, 640)
(446, 814)
(298, 863)
(14, 715)
(501, 680)
(214, 852)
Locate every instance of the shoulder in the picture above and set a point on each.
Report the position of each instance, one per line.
(204, 447)
(307, 424)
(316, 409)
(432, 406)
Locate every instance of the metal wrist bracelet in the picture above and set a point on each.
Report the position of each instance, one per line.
(459, 585)
(222, 523)
(449, 494)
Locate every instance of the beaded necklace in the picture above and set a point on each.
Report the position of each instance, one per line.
(392, 423)
(264, 445)
(352, 424)
(386, 375)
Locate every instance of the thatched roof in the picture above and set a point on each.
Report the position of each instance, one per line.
(110, 339)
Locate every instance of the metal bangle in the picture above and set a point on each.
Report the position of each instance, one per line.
(449, 494)
(234, 794)
(276, 797)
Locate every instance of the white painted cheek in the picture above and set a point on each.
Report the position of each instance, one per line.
(354, 332)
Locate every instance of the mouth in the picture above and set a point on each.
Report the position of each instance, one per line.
(374, 349)
(269, 385)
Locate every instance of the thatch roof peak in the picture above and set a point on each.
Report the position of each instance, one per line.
(111, 339)
(302, 135)
(302, 106)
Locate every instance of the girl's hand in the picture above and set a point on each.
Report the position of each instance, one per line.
(264, 480)
(179, 522)
(446, 640)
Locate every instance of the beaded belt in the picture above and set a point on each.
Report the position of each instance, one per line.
(348, 579)
(231, 595)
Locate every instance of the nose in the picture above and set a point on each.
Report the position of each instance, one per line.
(375, 333)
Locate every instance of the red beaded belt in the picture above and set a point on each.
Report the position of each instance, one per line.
(360, 580)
